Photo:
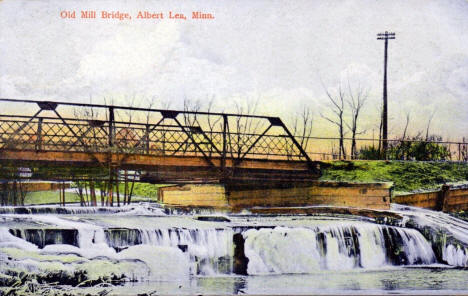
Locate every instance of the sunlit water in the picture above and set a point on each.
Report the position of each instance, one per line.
(179, 254)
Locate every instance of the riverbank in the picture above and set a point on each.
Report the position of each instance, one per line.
(408, 176)
(141, 192)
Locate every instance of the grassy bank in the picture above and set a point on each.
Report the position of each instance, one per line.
(48, 197)
(407, 176)
(141, 192)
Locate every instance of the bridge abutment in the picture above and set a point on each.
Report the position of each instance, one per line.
(238, 197)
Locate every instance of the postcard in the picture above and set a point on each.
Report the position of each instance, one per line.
(233, 147)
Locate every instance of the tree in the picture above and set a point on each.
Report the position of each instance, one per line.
(190, 120)
(429, 124)
(212, 122)
(337, 106)
(155, 147)
(302, 129)
(246, 128)
(355, 102)
(408, 114)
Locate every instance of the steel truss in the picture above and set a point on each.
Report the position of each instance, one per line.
(92, 128)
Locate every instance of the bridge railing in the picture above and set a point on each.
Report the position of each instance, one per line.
(72, 127)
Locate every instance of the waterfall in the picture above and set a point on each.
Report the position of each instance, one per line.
(133, 209)
(145, 244)
(210, 250)
(304, 250)
(448, 233)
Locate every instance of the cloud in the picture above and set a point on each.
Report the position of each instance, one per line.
(282, 57)
(457, 82)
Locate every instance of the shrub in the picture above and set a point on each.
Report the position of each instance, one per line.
(414, 149)
(369, 152)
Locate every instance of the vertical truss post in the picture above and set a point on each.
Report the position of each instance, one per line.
(110, 200)
(39, 135)
(111, 126)
(147, 140)
(223, 157)
(459, 152)
(164, 143)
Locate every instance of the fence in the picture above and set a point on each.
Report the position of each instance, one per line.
(102, 128)
(327, 148)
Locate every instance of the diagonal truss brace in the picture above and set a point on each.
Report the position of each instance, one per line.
(207, 158)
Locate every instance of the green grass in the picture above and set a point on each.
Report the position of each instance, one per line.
(406, 176)
(141, 192)
(48, 197)
(142, 189)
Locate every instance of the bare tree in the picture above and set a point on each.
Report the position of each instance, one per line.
(190, 119)
(306, 126)
(337, 106)
(191, 106)
(246, 127)
(91, 138)
(429, 124)
(355, 102)
(161, 148)
(89, 135)
(212, 122)
(302, 128)
(408, 117)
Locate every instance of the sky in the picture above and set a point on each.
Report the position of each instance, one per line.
(281, 56)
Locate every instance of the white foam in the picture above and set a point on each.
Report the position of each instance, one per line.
(163, 262)
(295, 250)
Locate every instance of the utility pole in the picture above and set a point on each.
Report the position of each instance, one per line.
(385, 36)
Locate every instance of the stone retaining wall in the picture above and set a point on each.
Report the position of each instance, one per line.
(357, 195)
(447, 199)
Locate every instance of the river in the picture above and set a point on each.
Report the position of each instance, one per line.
(144, 248)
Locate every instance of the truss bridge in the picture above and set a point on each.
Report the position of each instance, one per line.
(48, 140)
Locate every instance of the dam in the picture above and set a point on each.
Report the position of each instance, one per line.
(150, 248)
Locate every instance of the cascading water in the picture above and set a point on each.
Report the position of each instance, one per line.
(140, 209)
(449, 234)
(210, 249)
(141, 243)
(343, 247)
